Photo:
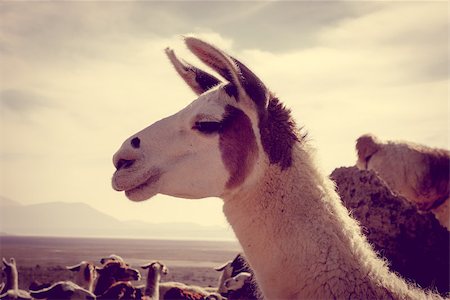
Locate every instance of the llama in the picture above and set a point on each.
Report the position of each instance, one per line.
(63, 290)
(155, 270)
(233, 268)
(85, 274)
(10, 289)
(238, 142)
(113, 272)
(418, 173)
(230, 269)
(12, 276)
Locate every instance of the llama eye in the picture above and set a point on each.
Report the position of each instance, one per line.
(207, 127)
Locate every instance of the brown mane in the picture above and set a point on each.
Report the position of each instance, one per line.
(279, 133)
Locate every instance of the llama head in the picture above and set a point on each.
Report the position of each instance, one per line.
(10, 264)
(156, 267)
(9, 267)
(85, 271)
(118, 271)
(221, 141)
(366, 146)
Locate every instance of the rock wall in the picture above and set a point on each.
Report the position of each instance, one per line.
(415, 244)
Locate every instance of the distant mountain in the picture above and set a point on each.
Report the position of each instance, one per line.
(8, 202)
(81, 220)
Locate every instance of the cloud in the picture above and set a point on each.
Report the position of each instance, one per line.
(414, 38)
(96, 73)
(21, 101)
(65, 31)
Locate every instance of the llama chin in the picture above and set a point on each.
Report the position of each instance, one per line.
(146, 190)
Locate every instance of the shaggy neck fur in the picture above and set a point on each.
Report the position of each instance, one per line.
(152, 286)
(301, 242)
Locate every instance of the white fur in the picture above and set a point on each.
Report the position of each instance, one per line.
(60, 289)
(296, 234)
(165, 287)
(16, 295)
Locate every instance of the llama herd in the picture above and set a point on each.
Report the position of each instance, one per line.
(114, 280)
(238, 142)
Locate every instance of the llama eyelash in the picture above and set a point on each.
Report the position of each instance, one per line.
(208, 127)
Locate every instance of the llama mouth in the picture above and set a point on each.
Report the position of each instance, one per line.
(140, 191)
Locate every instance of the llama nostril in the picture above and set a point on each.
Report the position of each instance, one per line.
(124, 163)
(135, 142)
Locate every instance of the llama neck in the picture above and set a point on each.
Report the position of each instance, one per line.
(152, 286)
(300, 240)
(12, 279)
(103, 283)
(85, 281)
(90, 286)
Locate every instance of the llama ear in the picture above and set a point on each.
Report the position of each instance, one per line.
(199, 81)
(232, 70)
(220, 268)
(74, 268)
(147, 265)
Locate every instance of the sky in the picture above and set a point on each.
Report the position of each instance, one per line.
(78, 78)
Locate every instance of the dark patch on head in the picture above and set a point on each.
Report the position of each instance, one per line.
(436, 181)
(231, 90)
(252, 85)
(88, 272)
(278, 133)
(238, 146)
(278, 129)
(204, 80)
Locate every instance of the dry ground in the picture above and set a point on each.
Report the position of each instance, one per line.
(45, 259)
